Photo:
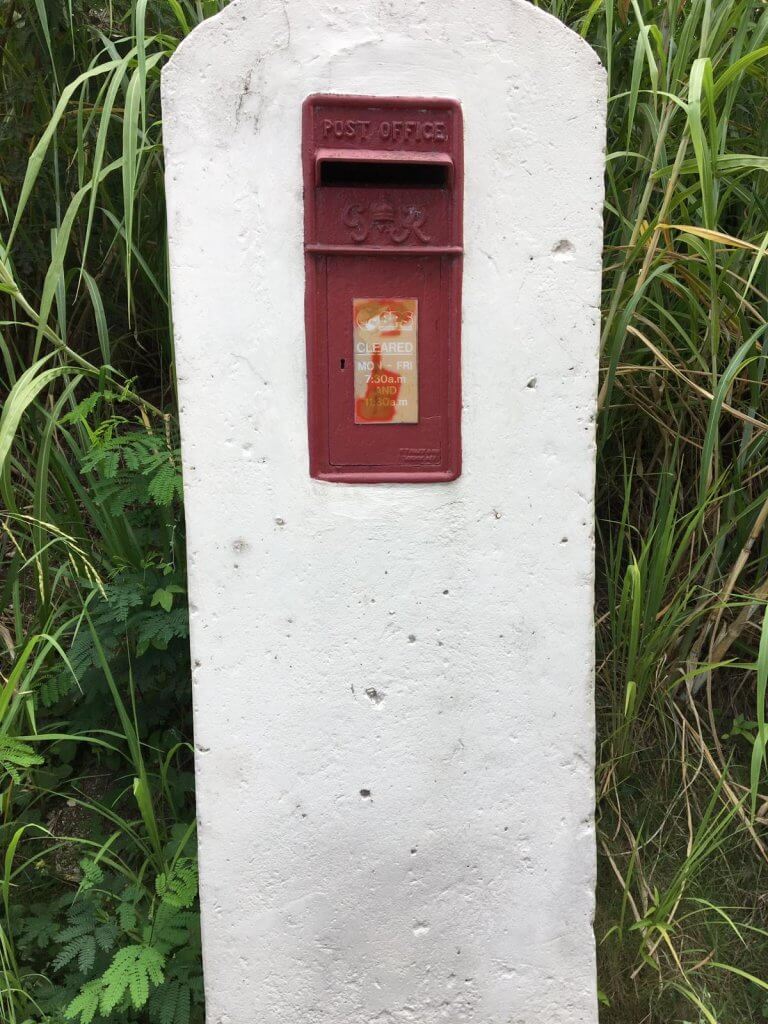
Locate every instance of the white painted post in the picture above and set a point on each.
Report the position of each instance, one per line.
(394, 769)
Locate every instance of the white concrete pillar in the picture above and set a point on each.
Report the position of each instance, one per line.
(392, 683)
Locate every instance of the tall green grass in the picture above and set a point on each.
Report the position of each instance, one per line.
(96, 799)
(683, 500)
(97, 865)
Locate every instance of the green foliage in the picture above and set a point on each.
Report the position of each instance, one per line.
(125, 467)
(178, 887)
(132, 971)
(16, 756)
(100, 919)
(119, 946)
(99, 915)
(682, 506)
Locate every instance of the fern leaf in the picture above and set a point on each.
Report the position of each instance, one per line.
(16, 756)
(73, 932)
(126, 915)
(55, 687)
(132, 970)
(178, 887)
(124, 595)
(156, 629)
(106, 935)
(163, 1006)
(87, 955)
(172, 927)
(162, 486)
(92, 873)
(110, 464)
(83, 409)
(183, 1000)
(85, 1005)
(133, 457)
(68, 953)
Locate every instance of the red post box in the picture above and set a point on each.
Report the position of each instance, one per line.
(383, 186)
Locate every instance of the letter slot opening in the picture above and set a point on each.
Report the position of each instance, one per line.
(366, 173)
(383, 169)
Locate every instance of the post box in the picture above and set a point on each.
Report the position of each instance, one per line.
(361, 846)
(383, 185)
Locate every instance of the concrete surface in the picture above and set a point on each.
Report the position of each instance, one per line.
(393, 684)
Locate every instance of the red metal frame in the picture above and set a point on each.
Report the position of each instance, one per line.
(345, 256)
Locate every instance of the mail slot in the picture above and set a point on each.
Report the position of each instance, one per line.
(383, 187)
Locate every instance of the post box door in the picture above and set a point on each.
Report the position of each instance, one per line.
(410, 371)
